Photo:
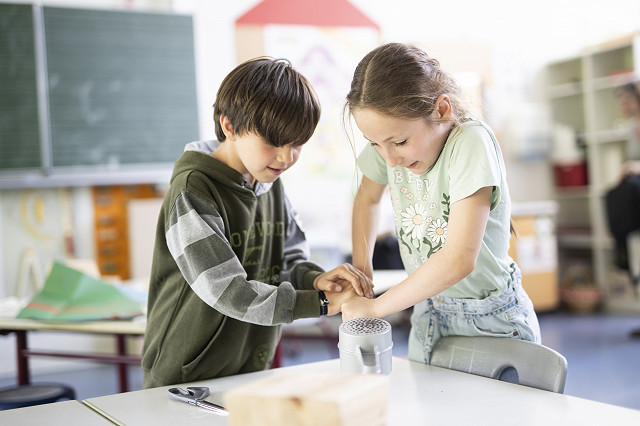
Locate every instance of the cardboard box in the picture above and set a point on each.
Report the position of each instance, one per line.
(535, 252)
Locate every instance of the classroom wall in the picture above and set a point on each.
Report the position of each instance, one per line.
(505, 51)
(39, 225)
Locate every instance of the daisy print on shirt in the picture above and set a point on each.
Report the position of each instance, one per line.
(421, 216)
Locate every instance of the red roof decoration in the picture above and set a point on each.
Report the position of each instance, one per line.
(322, 13)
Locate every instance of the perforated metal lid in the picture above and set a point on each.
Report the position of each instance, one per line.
(365, 326)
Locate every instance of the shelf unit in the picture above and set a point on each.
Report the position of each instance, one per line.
(582, 94)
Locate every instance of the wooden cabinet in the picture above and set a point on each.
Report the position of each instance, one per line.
(582, 95)
(534, 250)
(111, 226)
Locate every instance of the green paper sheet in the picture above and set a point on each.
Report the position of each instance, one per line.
(71, 295)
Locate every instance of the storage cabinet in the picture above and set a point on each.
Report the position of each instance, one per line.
(534, 250)
(111, 226)
(582, 95)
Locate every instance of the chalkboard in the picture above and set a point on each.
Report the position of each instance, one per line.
(120, 88)
(19, 131)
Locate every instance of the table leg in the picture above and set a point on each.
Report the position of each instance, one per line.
(121, 343)
(277, 357)
(22, 358)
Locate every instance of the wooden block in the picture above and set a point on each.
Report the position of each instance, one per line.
(310, 399)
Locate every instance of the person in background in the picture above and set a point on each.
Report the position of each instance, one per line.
(629, 97)
(626, 254)
(451, 203)
(230, 263)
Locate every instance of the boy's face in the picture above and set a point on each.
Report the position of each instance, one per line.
(261, 161)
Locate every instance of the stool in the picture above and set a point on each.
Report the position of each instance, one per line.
(34, 394)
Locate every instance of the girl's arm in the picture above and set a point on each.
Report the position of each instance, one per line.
(454, 261)
(366, 214)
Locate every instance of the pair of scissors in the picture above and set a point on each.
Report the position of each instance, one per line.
(195, 395)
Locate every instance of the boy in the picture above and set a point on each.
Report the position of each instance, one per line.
(230, 260)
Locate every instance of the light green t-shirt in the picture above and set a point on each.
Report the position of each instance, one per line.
(471, 159)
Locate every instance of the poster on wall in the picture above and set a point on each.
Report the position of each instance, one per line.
(323, 181)
(34, 230)
(327, 56)
(324, 41)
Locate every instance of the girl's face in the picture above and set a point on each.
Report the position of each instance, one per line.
(411, 143)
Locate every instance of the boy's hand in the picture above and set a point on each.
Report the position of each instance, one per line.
(345, 275)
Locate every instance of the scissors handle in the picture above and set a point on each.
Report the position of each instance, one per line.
(211, 406)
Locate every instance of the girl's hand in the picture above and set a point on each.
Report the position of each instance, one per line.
(345, 275)
(358, 307)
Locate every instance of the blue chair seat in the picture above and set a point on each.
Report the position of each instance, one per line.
(34, 394)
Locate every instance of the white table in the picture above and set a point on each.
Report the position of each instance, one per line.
(419, 394)
(57, 414)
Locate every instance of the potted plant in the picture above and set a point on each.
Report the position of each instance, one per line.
(578, 291)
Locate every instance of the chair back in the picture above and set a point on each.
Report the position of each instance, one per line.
(510, 360)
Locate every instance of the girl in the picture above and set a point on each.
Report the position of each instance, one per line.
(451, 204)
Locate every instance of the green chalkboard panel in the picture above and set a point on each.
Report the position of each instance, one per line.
(93, 92)
(121, 86)
(19, 127)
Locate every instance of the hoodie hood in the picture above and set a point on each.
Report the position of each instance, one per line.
(197, 157)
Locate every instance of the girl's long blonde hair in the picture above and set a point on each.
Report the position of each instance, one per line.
(402, 81)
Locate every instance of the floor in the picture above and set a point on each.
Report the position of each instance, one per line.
(603, 360)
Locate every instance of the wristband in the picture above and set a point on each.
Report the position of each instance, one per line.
(324, 303)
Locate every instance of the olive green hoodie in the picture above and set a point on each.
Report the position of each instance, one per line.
(229, 266)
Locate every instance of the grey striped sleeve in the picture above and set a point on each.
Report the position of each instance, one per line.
(197, 242)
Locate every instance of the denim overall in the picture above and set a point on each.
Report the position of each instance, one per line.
(508, 315)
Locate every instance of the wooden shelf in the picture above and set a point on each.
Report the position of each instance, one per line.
(565, 90)
(582, 93)
(575, 238)
(611, 135)
(614, 80)
(572, 192)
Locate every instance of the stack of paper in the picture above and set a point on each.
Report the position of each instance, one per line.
(70, 295)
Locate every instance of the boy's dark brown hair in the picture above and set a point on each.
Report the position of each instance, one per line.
(268, 97)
